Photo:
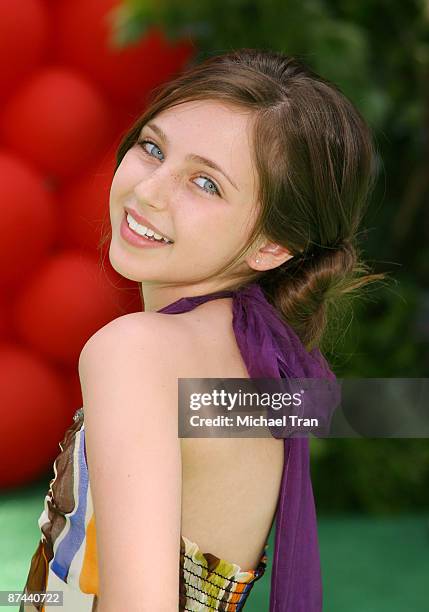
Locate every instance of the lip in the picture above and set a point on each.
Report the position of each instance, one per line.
(145, 222)
(136, 240)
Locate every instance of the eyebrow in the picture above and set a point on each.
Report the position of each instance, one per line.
(192, 156)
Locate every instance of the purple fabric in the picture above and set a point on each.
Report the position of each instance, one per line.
(271, 349)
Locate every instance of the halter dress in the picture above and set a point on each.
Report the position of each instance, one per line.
(66, 555)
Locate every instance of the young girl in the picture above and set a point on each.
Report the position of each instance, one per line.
(235, 205)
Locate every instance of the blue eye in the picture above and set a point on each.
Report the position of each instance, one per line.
(216, 191)
(142, 144)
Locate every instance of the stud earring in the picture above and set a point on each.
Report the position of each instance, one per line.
(257, 260)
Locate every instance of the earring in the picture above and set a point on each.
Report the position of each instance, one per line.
(257, 260)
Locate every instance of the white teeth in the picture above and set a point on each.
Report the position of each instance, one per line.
(143, 230)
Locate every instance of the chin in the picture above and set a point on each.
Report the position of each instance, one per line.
(122, 267)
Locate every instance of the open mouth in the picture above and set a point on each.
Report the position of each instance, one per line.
(146, 232)
(136, 235)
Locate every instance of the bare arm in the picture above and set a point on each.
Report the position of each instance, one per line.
(134, 462)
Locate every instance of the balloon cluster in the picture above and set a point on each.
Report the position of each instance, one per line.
(67, 95)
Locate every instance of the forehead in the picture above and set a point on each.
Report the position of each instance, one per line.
(215, 130)
(195, 114)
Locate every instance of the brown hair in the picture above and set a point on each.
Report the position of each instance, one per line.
(314, 159)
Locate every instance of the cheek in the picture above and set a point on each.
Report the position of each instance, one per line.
(118, 187)
(213, 233)
(115, 204)
(113, 189)
(127, 174)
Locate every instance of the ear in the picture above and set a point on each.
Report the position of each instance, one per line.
(268, 256)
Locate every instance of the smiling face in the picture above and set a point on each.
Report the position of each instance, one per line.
(208, 213)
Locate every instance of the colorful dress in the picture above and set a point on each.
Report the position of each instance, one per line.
(66, 557)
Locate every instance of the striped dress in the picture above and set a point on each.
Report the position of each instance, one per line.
(66, 556)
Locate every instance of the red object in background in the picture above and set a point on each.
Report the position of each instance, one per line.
(28, 220)
(83, 38)
(72, 381)
(34, 415)
(24, 30)
(60, 131)
(5, 330)
(58, 120)
(65, 303)
(84, 207)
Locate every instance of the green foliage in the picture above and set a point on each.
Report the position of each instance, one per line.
(391, 345)
(339, 39)
(370, 476)
(377, 51)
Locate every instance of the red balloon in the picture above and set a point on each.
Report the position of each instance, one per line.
(28, 219)
(58, 120)
(64, 304)
(85, 207)
(24, 29)
(5, 331)
(34, 415)
(128, 290)
(70, 375)
(83, 31)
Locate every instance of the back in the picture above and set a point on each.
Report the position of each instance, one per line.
(230, 486)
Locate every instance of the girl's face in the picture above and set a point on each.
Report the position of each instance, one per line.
(206, 207)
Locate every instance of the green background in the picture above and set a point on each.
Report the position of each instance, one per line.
(369, 564)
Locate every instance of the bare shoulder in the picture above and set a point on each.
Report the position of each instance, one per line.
(180, 339)
(128, 364)
(142, 354)
(134, 331)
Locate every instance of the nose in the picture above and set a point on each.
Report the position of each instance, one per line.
(157, 189)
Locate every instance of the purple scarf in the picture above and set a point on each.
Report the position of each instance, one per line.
(271, 349)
